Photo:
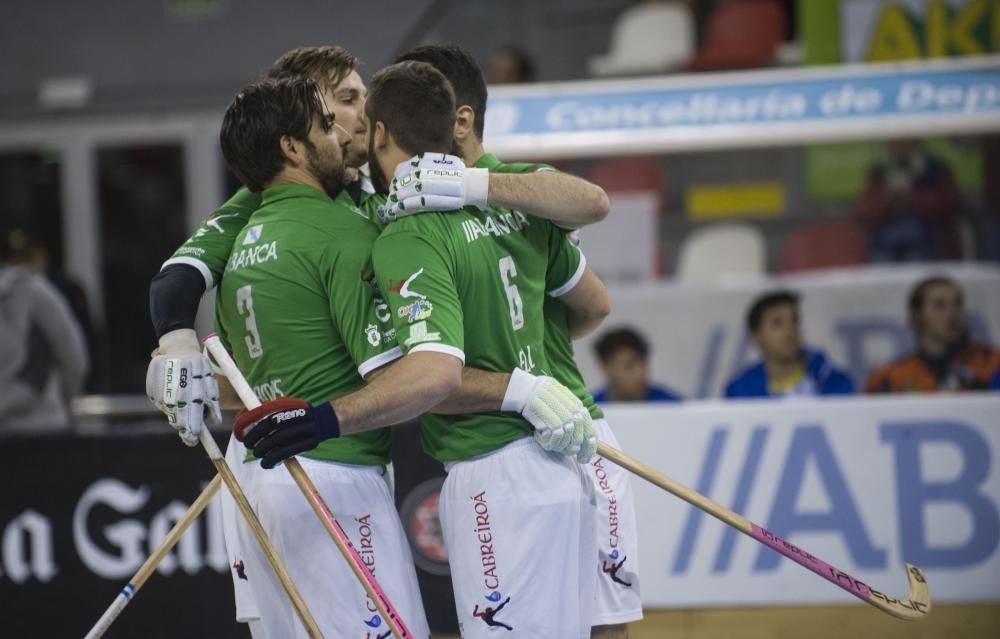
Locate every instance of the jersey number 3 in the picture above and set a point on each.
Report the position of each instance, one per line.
(244, 306)
(508, 271)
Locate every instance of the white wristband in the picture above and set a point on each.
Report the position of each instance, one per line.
(477, 186)
(518, 391)
(178, 341)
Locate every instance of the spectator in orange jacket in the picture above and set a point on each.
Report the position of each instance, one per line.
(911, 207)
(946, 359)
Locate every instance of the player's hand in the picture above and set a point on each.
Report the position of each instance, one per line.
(584, 445)
(284, 427)
(179, 382)
(435, 182)
(550, 407)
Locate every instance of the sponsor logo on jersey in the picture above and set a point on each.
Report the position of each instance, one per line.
(403, 288)
(417, 311)
(419, 335)
(284, 416)
(253, 234)
(214, 221)
(497, 224)
(374, 335)
(269, 390)
(190, 250)
(260, 254)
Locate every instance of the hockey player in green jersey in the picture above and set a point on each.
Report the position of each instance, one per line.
(617, 601)
(472, 284)
(297, 308)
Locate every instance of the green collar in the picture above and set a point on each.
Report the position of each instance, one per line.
(280, 192)
(488, 161)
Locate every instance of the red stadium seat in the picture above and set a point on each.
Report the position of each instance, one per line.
(741, 34)
(630, 174)
(824, 245)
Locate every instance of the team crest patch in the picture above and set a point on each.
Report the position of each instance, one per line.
(417, 311)
(374, 335)
(253, 234)
(419, 334)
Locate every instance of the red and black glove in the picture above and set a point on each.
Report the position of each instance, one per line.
(282, 428)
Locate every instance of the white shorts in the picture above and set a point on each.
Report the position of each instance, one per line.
(361, 501)
(519, 531)
(246, 605)
(617, 595)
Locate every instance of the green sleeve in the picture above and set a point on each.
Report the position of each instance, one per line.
(209, 248)
(566, 263)
(419, 281)
(359, 312)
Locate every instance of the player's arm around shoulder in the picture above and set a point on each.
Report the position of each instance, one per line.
(567, 200)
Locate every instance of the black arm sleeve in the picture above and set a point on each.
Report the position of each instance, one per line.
(174, 295)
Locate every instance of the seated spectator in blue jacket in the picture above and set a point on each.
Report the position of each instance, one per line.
(788, 368)
(624, 357)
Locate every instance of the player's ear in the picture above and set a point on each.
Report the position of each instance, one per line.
(465, 122)
(380, 137)
(291, 149)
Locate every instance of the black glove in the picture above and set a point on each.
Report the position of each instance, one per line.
(285, 427)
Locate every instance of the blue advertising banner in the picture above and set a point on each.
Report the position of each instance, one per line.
(864, 484)
(755, 108)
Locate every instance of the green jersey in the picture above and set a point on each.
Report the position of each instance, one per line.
(471, 284)
(299, 309)
(209, 248)
(558, 343)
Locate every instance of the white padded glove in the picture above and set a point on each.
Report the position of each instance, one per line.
(179, 382)
(562, 424)
(435, 182)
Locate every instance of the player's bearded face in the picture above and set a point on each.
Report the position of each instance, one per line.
(346, 101)
(326, 164)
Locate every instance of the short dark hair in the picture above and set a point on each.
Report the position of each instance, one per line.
(618, 340)
(417, 105)
(256, 120)
(461, 69)
(915, 302)
(766, 302)
(328, 65)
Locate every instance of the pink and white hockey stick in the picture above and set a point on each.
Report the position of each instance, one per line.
(249, 398)
(915, 607)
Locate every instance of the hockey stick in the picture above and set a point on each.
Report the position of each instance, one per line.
(915, 607)
(312, 628)
(147, 568)
(375, 593)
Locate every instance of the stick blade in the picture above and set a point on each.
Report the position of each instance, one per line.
(917, 604)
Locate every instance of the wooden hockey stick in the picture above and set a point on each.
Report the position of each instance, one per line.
(147, 568)
(385, 608)
(915, 607)
(312, 628)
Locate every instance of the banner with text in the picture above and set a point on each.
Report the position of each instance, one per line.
(761, 108)
(864, 484)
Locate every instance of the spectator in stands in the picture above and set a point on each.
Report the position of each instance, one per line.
(911, 206)
(946, 359)
(624, 357)
(511, 65)
(43, 358)
(788, 368)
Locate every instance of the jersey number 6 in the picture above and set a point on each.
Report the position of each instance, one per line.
(507, 271)
(244, 306)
